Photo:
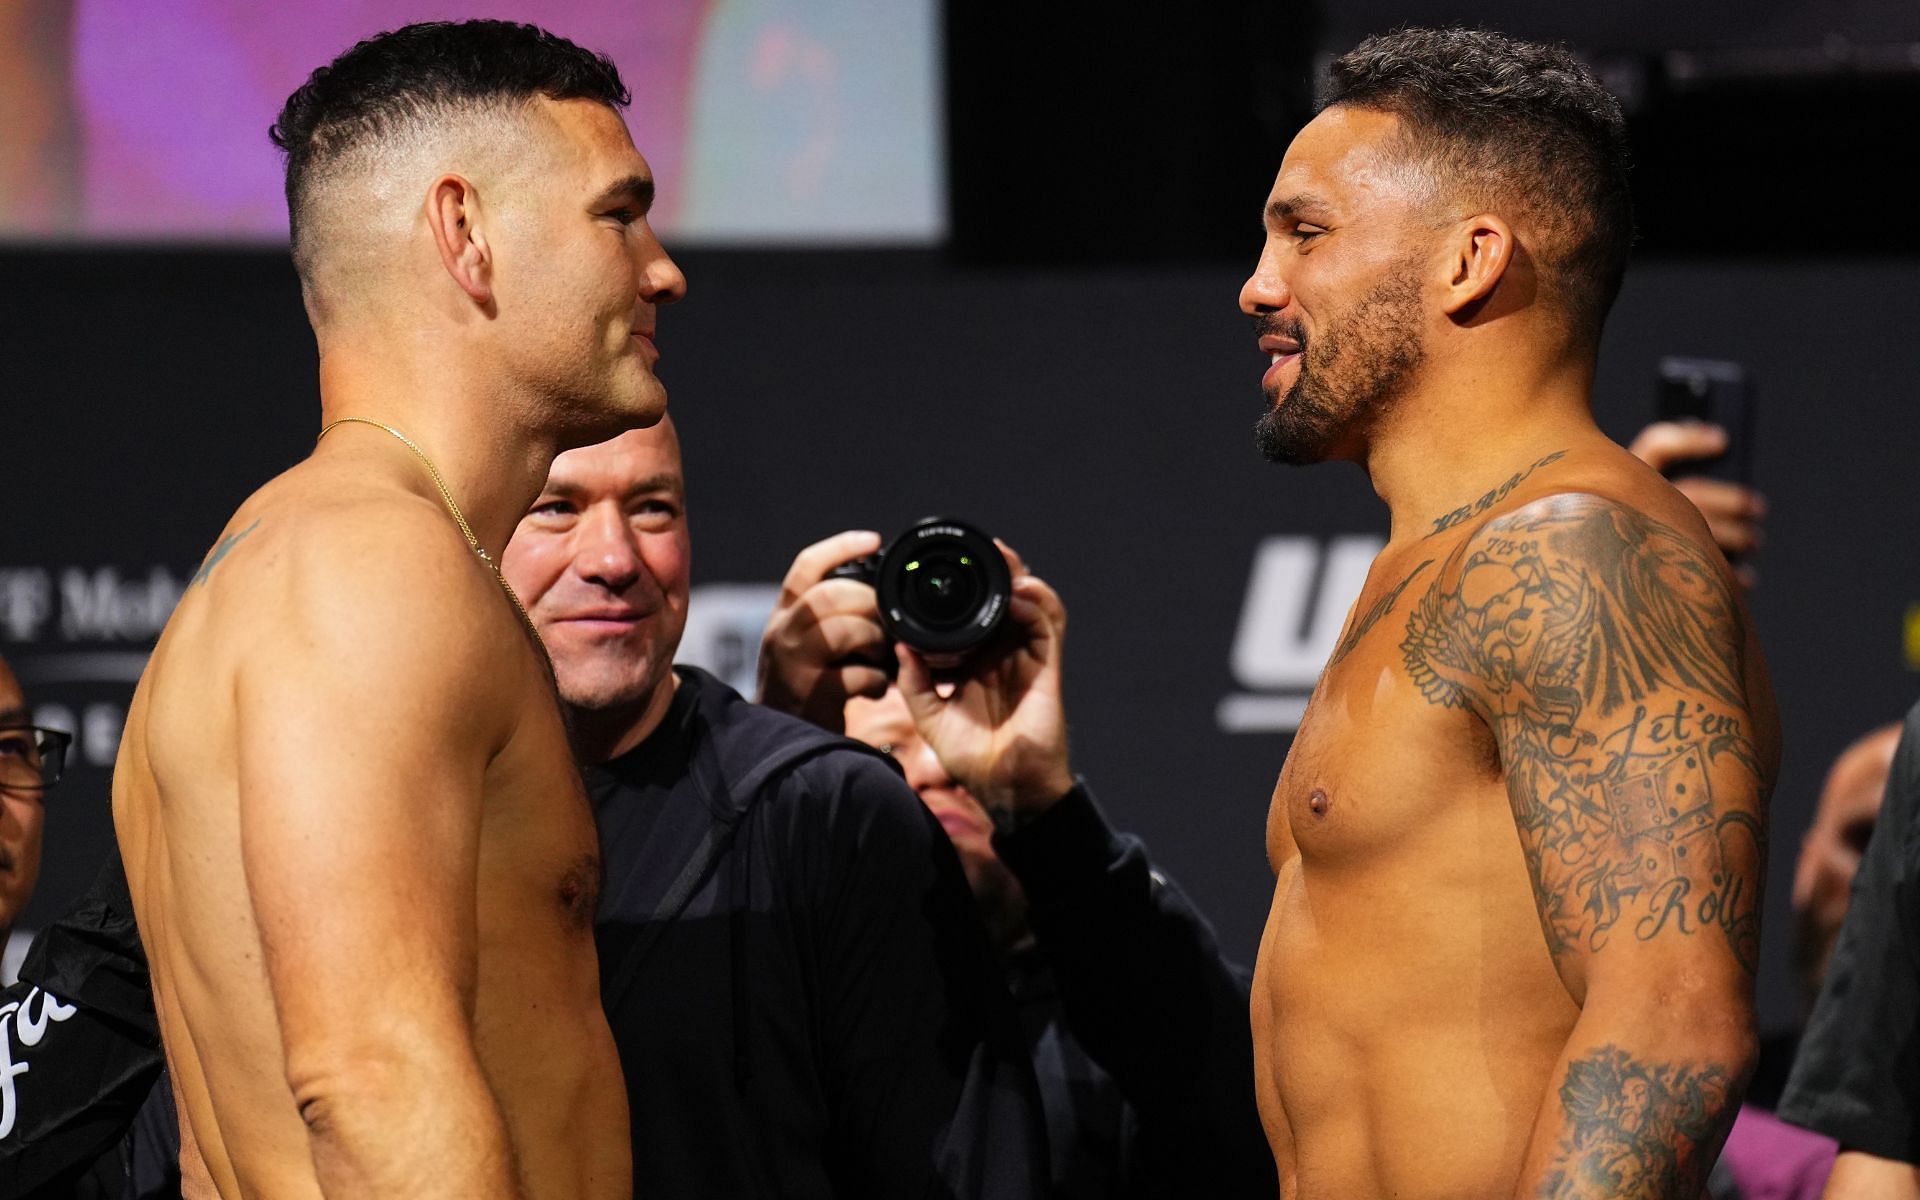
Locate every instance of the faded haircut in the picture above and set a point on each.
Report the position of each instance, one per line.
(1498, 120)
(392, 86)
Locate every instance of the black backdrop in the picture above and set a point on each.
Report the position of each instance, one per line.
(1098, 418)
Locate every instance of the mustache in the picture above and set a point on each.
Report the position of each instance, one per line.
(1275, 325)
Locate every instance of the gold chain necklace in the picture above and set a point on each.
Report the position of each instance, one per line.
(458, 518)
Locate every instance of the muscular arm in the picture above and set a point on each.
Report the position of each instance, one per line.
(364, 731)
(1606, 653)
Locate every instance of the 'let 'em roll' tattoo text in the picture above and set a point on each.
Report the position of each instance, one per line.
(1467, 511)
(1603, 649)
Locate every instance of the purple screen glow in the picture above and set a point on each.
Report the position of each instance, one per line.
(762, 119)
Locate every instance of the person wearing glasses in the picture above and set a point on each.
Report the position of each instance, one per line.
(30, 762)
(42, 1120)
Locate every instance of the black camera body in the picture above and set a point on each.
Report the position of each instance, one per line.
(943, 587)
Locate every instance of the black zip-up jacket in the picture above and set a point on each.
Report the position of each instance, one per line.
(1136, 1022)
(803, 994)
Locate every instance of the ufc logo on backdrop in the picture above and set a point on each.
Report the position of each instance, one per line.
(1297, 602)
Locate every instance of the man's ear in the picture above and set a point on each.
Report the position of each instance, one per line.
(459, 234)
(1480, 251)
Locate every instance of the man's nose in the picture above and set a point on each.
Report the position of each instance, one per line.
(923, 768)
(1264, 291)
(606, 552)
(661, 281)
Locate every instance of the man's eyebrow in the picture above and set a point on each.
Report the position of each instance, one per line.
(638, 189)
(1293, 206)
(567, 489)
(665, 481)
(13, 715)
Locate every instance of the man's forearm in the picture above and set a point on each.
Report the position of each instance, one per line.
(407, 1125)
(1637, 1110)
(1860, 1176)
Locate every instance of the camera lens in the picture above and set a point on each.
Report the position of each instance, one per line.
(944, 587)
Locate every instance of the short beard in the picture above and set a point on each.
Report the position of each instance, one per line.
(1351, 376)
(602, 699)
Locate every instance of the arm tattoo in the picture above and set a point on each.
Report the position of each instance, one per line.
(1381, 608)
(1603, 649)
(1469, 511)
(1637, 1128)
(219, 552)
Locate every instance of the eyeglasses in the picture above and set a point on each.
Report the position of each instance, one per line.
(31, 758)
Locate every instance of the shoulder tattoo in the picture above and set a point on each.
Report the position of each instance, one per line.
(1605, 651)
(220, 551)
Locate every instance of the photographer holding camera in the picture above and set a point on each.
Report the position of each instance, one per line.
(1136, 1022)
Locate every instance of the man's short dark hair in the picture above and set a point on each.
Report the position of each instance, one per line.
(434, 69)
(1504, 119)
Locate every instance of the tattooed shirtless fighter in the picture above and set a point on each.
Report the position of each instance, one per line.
(1518, 840)
(362, 861)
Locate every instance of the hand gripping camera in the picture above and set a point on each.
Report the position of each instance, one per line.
(943, 586)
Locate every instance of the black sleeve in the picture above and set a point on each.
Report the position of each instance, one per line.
(1147, 992)
(1857, 1076)
(79, 1044)
(930, 1084)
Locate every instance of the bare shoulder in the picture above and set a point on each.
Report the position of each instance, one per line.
(373, 583)
(1600, 514)
(1617, 597)
(1614, 541)
(1601, 487)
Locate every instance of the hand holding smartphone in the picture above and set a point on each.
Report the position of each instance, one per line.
(1719, 393)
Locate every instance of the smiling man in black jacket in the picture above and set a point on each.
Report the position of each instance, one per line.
(805, 1003)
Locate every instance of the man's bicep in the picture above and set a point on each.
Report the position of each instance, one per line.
(359, 777)
(1607, 653)
(1652, 835)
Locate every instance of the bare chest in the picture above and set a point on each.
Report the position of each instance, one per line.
(540, 853)
(1376, 770)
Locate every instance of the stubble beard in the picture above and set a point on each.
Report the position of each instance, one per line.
(611, 684)
(1349, 377)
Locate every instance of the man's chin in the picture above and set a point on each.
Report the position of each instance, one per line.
(605, 698)
(1280, 443)
(646, 410)
(609, 677)
(640, 407)
(642, 397)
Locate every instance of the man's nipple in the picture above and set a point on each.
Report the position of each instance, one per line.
(1318, 802)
